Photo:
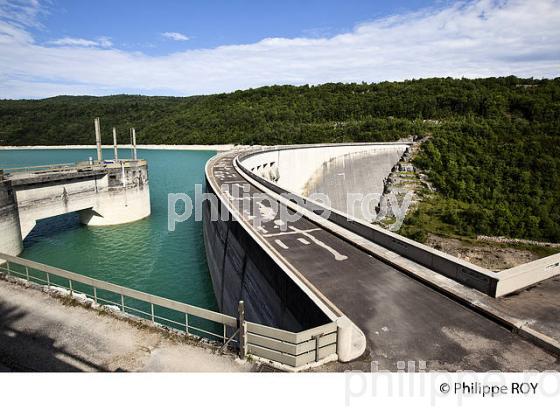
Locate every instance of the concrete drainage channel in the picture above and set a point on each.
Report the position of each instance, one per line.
(281, 349)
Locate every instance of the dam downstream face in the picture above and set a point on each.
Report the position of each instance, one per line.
(141, 255)
(357, 173)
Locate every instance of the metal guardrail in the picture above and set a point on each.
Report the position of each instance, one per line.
(80, 165)
(127, 300)
(37, 168)
(287, 348)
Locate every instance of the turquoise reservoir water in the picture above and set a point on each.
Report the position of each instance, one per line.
(141, 255)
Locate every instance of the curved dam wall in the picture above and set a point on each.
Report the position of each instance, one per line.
(335, 171)
(241, 270)
(352, 175)
(302, 169)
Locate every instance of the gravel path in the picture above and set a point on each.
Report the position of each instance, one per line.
(39, 332)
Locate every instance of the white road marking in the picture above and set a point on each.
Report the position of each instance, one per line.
(281, 244)
(337, 256)
(270, 235)
(268, 214)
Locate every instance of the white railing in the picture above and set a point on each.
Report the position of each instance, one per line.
(37, 168)
(292, 350)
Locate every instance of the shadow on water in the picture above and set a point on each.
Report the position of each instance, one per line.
(50, 227)
(30, 351)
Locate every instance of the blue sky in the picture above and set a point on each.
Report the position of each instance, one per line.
(139, 24)
(53, 47)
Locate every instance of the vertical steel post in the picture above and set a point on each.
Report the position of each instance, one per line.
(242, 331)
(122, 302)
(98, 139)
(153, 316)
(70, 286)
(115, 146)
(27, 273)
(187, 323)
(48, 280)
(95, 294)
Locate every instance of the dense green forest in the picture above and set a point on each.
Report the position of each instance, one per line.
(493, 155)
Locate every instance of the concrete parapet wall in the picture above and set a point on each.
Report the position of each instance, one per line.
(522, 276)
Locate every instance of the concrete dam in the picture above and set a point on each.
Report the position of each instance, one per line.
(102, 192)
(391, 298)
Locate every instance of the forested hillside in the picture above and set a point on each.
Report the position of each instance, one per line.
(494, 155)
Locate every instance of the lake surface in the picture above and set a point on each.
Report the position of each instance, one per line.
(141, 255)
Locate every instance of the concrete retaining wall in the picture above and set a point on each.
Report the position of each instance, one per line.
(353, 166)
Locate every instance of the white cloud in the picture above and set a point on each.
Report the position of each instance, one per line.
(82, 42)
(175, 36)
(22, 12)
(475, 39)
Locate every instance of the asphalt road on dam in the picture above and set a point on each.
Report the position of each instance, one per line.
(401, 318)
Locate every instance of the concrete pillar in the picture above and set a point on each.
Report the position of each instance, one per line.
(115, 144)
(134, 153)
(10, 231)
(119, 201)
(98, 139)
